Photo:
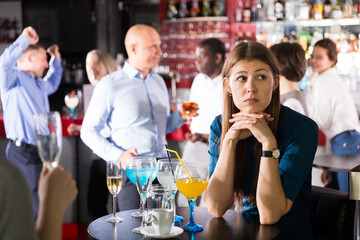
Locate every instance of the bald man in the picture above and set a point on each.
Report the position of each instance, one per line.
(24, 93)
(134, 103)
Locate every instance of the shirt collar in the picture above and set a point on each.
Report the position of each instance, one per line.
(133, 72)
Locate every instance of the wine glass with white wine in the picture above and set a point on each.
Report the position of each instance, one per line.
(114, 177)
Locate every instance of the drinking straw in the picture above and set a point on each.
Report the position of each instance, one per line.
(168, 154)
(182, 163)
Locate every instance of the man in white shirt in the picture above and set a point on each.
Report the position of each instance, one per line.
(206, 91)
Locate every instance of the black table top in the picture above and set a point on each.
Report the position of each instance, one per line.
(337, 163)
(231, 226)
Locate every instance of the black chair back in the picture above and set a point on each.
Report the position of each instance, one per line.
(332, 214)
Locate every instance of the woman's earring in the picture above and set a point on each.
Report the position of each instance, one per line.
(229, 94)
(273, 92)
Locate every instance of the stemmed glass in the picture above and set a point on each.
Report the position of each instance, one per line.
(144, 167)
(71, 101)
(165, 176)
(191, 188)
(130, 172)
(114, 177)
(48, 133)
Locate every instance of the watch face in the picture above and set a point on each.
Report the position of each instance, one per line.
(276, 153)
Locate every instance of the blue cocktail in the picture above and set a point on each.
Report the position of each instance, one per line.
(143, 175)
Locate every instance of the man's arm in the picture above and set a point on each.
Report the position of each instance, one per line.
(12, 54)
(96, 117)
(54, 74)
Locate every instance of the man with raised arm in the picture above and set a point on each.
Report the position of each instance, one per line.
(24, 93)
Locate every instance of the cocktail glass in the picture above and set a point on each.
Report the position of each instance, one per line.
(165, 176)
(191, 188)
(130, 172)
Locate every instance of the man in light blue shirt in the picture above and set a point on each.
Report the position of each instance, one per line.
(134, 103)
(23, 94)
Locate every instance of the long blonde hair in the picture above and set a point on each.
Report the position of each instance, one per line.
(248, 51)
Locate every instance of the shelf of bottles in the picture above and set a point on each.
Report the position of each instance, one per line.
(9, 30)
(185, 24)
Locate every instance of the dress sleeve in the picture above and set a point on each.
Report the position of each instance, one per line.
(214, 143)
(298, 156)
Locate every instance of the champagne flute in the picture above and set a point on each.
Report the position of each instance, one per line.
(48, 133)
(130, 172)
(71, 101)
(191, 188)
(165, 176)
(143, 175)
(114, 176)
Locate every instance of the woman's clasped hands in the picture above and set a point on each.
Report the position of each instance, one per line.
(246, 124)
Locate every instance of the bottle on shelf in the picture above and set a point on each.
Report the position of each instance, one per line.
(205, 9)
(304, 11)
(195, 9)
(318, 10)
(279, 10)
(348, 5)
(239, 10)
(247, 11)
(261, 15)
(172, 12)
(183, 9)
(218, 8)
(327, 9)
(290, 7)
(337, 11)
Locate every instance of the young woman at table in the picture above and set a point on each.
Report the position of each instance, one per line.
(260, 151)
(99, 63)
(332, 108)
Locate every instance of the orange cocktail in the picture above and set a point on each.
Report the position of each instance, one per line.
(192, 189)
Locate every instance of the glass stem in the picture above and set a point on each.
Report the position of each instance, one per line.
(142, 201)
(191, 208)
(72, 111)
(174, 203)
(114, 205)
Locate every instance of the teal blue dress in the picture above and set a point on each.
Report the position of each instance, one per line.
(297, 138)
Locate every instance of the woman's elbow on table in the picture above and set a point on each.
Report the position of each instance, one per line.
(216, 209)
(272, 216)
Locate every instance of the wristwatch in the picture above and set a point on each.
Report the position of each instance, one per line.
(275, 153)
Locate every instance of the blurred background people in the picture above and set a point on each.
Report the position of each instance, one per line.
(134, 103)
(99, 63)
(57, 190)
(206, 91)
(24, 93)
(333, 109)
(292, 63)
